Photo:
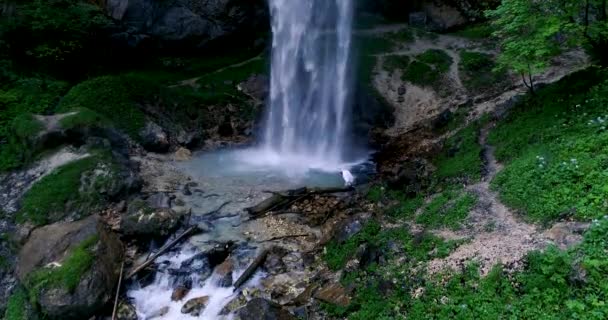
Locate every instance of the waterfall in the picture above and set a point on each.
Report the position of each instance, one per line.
(307, 122)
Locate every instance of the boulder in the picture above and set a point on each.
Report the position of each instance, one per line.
(262, 309)
(333, 294)
(224, 272)
(186, 23)
(126, 311)
(195, 306)
(89, 249)
(154, 138)
(182, 154)
(143, 220)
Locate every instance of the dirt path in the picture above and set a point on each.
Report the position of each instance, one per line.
(497, 235)
(192, 82)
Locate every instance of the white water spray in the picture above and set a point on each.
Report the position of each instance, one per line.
(308, 115)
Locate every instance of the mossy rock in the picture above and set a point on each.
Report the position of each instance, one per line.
(70, 269)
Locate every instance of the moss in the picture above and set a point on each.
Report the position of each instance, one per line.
(461, 156)
(429, 69)
(49, 199)
(16, 306)
(402, 36)
(481, 31)
(83, 118)
(114, 97)
(477, 71)
(448, 209)
(394, 62)
(68, 275)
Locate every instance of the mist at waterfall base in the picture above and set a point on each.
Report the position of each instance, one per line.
(306, 130)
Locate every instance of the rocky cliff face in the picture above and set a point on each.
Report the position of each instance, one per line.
(191, 23)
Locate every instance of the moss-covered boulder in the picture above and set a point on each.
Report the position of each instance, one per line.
(70, 269)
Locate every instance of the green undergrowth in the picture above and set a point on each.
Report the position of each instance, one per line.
(460, 158)
(16, 306)
(55, 195)
(114, 97)
(18, 100)
(481, 31)
(401, 240)
(555, 149)
(68, 275)
(428, 69)
(477, 71)
(395, 62)
(447, 209)
(553, 284)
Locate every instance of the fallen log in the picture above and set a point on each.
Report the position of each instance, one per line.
(281, 200)
(259, 260)
(115, 309)
(162, 250)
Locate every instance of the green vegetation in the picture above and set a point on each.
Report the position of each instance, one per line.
(18, 101)
(416, 247)
(394, 62)
(15, 308)
(481, 31)
(553, 285)
(448, 209)
(461, 156)
(478, 71)
(402, 36)
(406, 207)
(68, 275)
(114, 97)
(554, 146)
(429, 69)
(531, 32)
(52, 198)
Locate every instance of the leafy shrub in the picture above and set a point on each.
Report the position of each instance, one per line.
(477, 71)
(556, 151)
(429, 69)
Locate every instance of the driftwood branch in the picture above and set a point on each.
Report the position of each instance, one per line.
(251, 269)
(285, 237)
(282, 200)
(162, 250)
(122, 267)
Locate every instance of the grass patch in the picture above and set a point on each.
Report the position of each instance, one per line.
(114, 97)
(553, 284)
(481, 31)
(555, 148)
(402, 36)
(54, 196)
(448, 209)
(461, 156)
(17, 102)
(477, 71)
(68, 275)
(16, 306)
(407, 207)
(393, 63)
(429, 69)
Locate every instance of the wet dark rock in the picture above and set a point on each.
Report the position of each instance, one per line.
(225, 129)
(368, 254)
(159, 200)
(48, 247)
(199, 264)
(442, 120)
(224, 271)
(410, 176)
(274, 261)
(195, 306)
(154, 138)
(234, 304)
(262, 309)
(143, 220)
(181, 291)
(401, 90)
(187, 24)
(257, 86)
(350, 227)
